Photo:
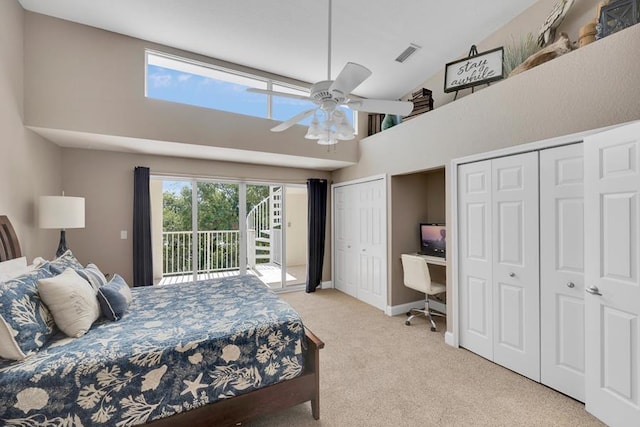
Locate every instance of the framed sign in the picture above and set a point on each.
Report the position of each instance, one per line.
(476, 69)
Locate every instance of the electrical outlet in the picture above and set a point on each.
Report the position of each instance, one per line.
(123, 234)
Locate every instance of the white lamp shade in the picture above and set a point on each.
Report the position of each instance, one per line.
(61, 212)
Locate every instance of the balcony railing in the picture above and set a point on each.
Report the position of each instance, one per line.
(217, 251)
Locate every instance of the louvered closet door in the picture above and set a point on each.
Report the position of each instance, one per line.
(562, 269)
(612, 274)
(475, 258)
(516, 296)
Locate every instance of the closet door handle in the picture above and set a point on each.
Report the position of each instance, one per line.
(512, 274)
(570, 285)
(593, 290)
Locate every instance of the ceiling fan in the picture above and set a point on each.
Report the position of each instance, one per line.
(329, 95)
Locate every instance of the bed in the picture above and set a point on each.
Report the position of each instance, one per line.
(216, 352)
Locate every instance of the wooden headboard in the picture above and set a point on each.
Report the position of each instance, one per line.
(9, 245)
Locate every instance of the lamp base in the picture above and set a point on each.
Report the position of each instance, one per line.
(62, 246)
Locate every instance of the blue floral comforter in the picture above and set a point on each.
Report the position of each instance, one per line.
(177, 348)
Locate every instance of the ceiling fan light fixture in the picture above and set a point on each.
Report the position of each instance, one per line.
(330, 96)
(327, 140)
(314, 131)
(344, 130)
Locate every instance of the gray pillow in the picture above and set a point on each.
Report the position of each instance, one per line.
(114, 298)
(92, 274)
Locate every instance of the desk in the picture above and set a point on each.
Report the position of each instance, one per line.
(435, 260)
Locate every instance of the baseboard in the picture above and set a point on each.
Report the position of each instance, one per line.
(449, 339)
(326, 285)
(403, 308)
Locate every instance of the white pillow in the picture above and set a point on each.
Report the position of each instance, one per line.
(13, 268)
(71, 300)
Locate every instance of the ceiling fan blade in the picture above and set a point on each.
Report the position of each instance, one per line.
(274, 93)
(383, 106)
(293, 120)
(349, 78)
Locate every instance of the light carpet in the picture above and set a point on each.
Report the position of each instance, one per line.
(375, 371)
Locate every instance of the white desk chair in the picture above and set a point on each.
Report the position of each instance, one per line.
(416, 276)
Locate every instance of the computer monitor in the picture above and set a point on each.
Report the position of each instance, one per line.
(433, 240)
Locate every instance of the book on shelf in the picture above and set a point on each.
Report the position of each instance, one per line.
(422, 102)
(374, 123)
(424, 92)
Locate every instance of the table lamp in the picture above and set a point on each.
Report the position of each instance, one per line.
(61, 212)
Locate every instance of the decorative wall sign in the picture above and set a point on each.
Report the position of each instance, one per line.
(476, 69)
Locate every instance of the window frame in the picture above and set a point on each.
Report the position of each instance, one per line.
(189, 63)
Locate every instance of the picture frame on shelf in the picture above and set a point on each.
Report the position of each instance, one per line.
(474, 70)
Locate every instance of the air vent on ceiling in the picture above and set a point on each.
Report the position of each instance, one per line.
(407, 52)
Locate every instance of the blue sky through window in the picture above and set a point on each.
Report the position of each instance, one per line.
(193, 89)
(189, 83)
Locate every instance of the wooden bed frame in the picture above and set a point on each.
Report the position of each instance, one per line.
(236, 410)
(9, 244)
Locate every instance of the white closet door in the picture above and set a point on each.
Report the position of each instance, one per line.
(612, 298)
(345, 269)
(516, 292)
(475, 258)
(371, 245)
(562, 269)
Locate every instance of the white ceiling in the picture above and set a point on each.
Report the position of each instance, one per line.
(289, 37)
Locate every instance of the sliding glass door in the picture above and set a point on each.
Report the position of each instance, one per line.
(218, 230)
(211, 229)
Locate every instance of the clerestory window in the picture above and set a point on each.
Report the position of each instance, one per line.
(175, 79)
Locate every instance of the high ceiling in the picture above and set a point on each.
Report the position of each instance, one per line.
(289, 37)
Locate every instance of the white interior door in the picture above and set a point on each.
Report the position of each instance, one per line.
(345, 268)
(475, 258)
(516, 284)
(562, 269)
(612, 298)
(372, 253)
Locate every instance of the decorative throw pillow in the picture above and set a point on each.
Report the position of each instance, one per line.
(64, 261)
(92, 274)
(71, 300)
(13, 268)
(114, 298)
(25, 322)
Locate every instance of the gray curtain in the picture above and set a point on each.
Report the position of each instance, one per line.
(142, 259)
(317, 220)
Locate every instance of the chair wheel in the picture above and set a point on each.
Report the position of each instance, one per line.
(433, 329)
(407, 323)
(408, 313)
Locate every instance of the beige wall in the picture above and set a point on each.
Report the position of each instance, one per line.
(297, 226)
(105, 179)
(94, 83)
(529, 21)
(155, 194)
(415, 198)
(591, 87)
(30, 166)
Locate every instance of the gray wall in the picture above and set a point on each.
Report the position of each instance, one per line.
(30, 165)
